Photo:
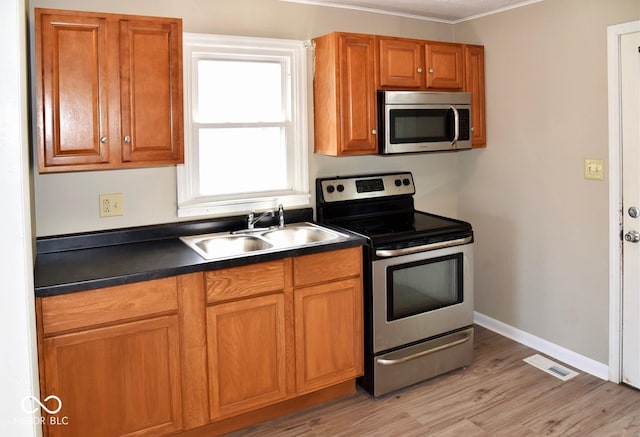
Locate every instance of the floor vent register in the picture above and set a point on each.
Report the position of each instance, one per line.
(551, 367)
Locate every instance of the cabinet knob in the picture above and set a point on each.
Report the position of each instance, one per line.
(374, 132)
(431, 70)
(127, 139)
(419, 69)
(103, 140)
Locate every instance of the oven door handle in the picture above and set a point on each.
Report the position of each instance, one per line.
(386, 362)
(386, 253)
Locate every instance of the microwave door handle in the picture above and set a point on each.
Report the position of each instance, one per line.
(456, 127)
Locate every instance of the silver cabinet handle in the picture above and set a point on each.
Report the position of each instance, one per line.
(419, 70)
(423, 353)
(386, 253)
(634, 212)
(103, 140)
(431, 70)
(127, 139)
(374, 132)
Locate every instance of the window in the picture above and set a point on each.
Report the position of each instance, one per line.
(245, 125)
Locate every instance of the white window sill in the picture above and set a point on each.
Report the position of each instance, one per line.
(241, 206)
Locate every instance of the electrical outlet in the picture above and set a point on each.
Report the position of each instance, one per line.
(594, 169)
(111, 205)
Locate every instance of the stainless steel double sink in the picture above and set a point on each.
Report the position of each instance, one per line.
(255, 241)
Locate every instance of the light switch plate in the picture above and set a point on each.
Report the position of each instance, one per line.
(111, 205)
(594, 169)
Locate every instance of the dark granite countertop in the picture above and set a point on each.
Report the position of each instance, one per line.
(86, 261)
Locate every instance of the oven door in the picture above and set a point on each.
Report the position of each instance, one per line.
(421, 295)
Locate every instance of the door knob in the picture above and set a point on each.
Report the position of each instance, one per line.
(634, 212)
(632, 236)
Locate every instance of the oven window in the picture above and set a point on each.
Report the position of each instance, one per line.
(424, 286)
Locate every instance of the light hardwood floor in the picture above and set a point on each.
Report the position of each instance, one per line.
(499, 395)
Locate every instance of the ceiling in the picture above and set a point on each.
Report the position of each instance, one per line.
(450, 11)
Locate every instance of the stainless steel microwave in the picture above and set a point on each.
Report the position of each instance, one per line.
(422, 121)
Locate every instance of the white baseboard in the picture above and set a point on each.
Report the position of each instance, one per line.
(560, 353)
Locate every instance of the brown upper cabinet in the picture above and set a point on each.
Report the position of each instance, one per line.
(350, 68)
(108, 91)
(474, 84)
(406, 63)
(345, 95)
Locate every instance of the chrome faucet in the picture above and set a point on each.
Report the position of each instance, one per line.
(252, 220)
(280, 216)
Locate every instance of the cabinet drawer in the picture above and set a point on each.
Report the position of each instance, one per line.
(327, 266)
(106, 305)
(244, 281)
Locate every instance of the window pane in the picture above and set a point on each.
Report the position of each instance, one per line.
(242, 160)
(239, 91)
(240, 152)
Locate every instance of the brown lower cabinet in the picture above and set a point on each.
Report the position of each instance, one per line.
(203, 353)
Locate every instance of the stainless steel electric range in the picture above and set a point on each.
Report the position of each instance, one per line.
(418, 278)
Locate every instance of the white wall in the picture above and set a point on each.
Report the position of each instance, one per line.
(18, 366)
(541, 228)
(67, 203)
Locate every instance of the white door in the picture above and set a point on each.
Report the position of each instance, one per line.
(630, 136)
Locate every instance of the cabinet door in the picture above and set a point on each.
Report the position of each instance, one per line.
(444, 66)
(328, 333)
(246, 348)
(72, 91)
(151, 91)
(358, 95)
(474, 83)
(117, 380)
(400, 63)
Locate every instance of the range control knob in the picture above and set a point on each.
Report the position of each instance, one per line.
(406, 181)
(398, 182)
(340, 188)
(330, 189)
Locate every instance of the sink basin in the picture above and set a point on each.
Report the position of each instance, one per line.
(247, 242)
(232, 244)
(298, 236)
(222, 246)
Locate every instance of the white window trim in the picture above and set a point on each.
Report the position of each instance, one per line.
(189, 203)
